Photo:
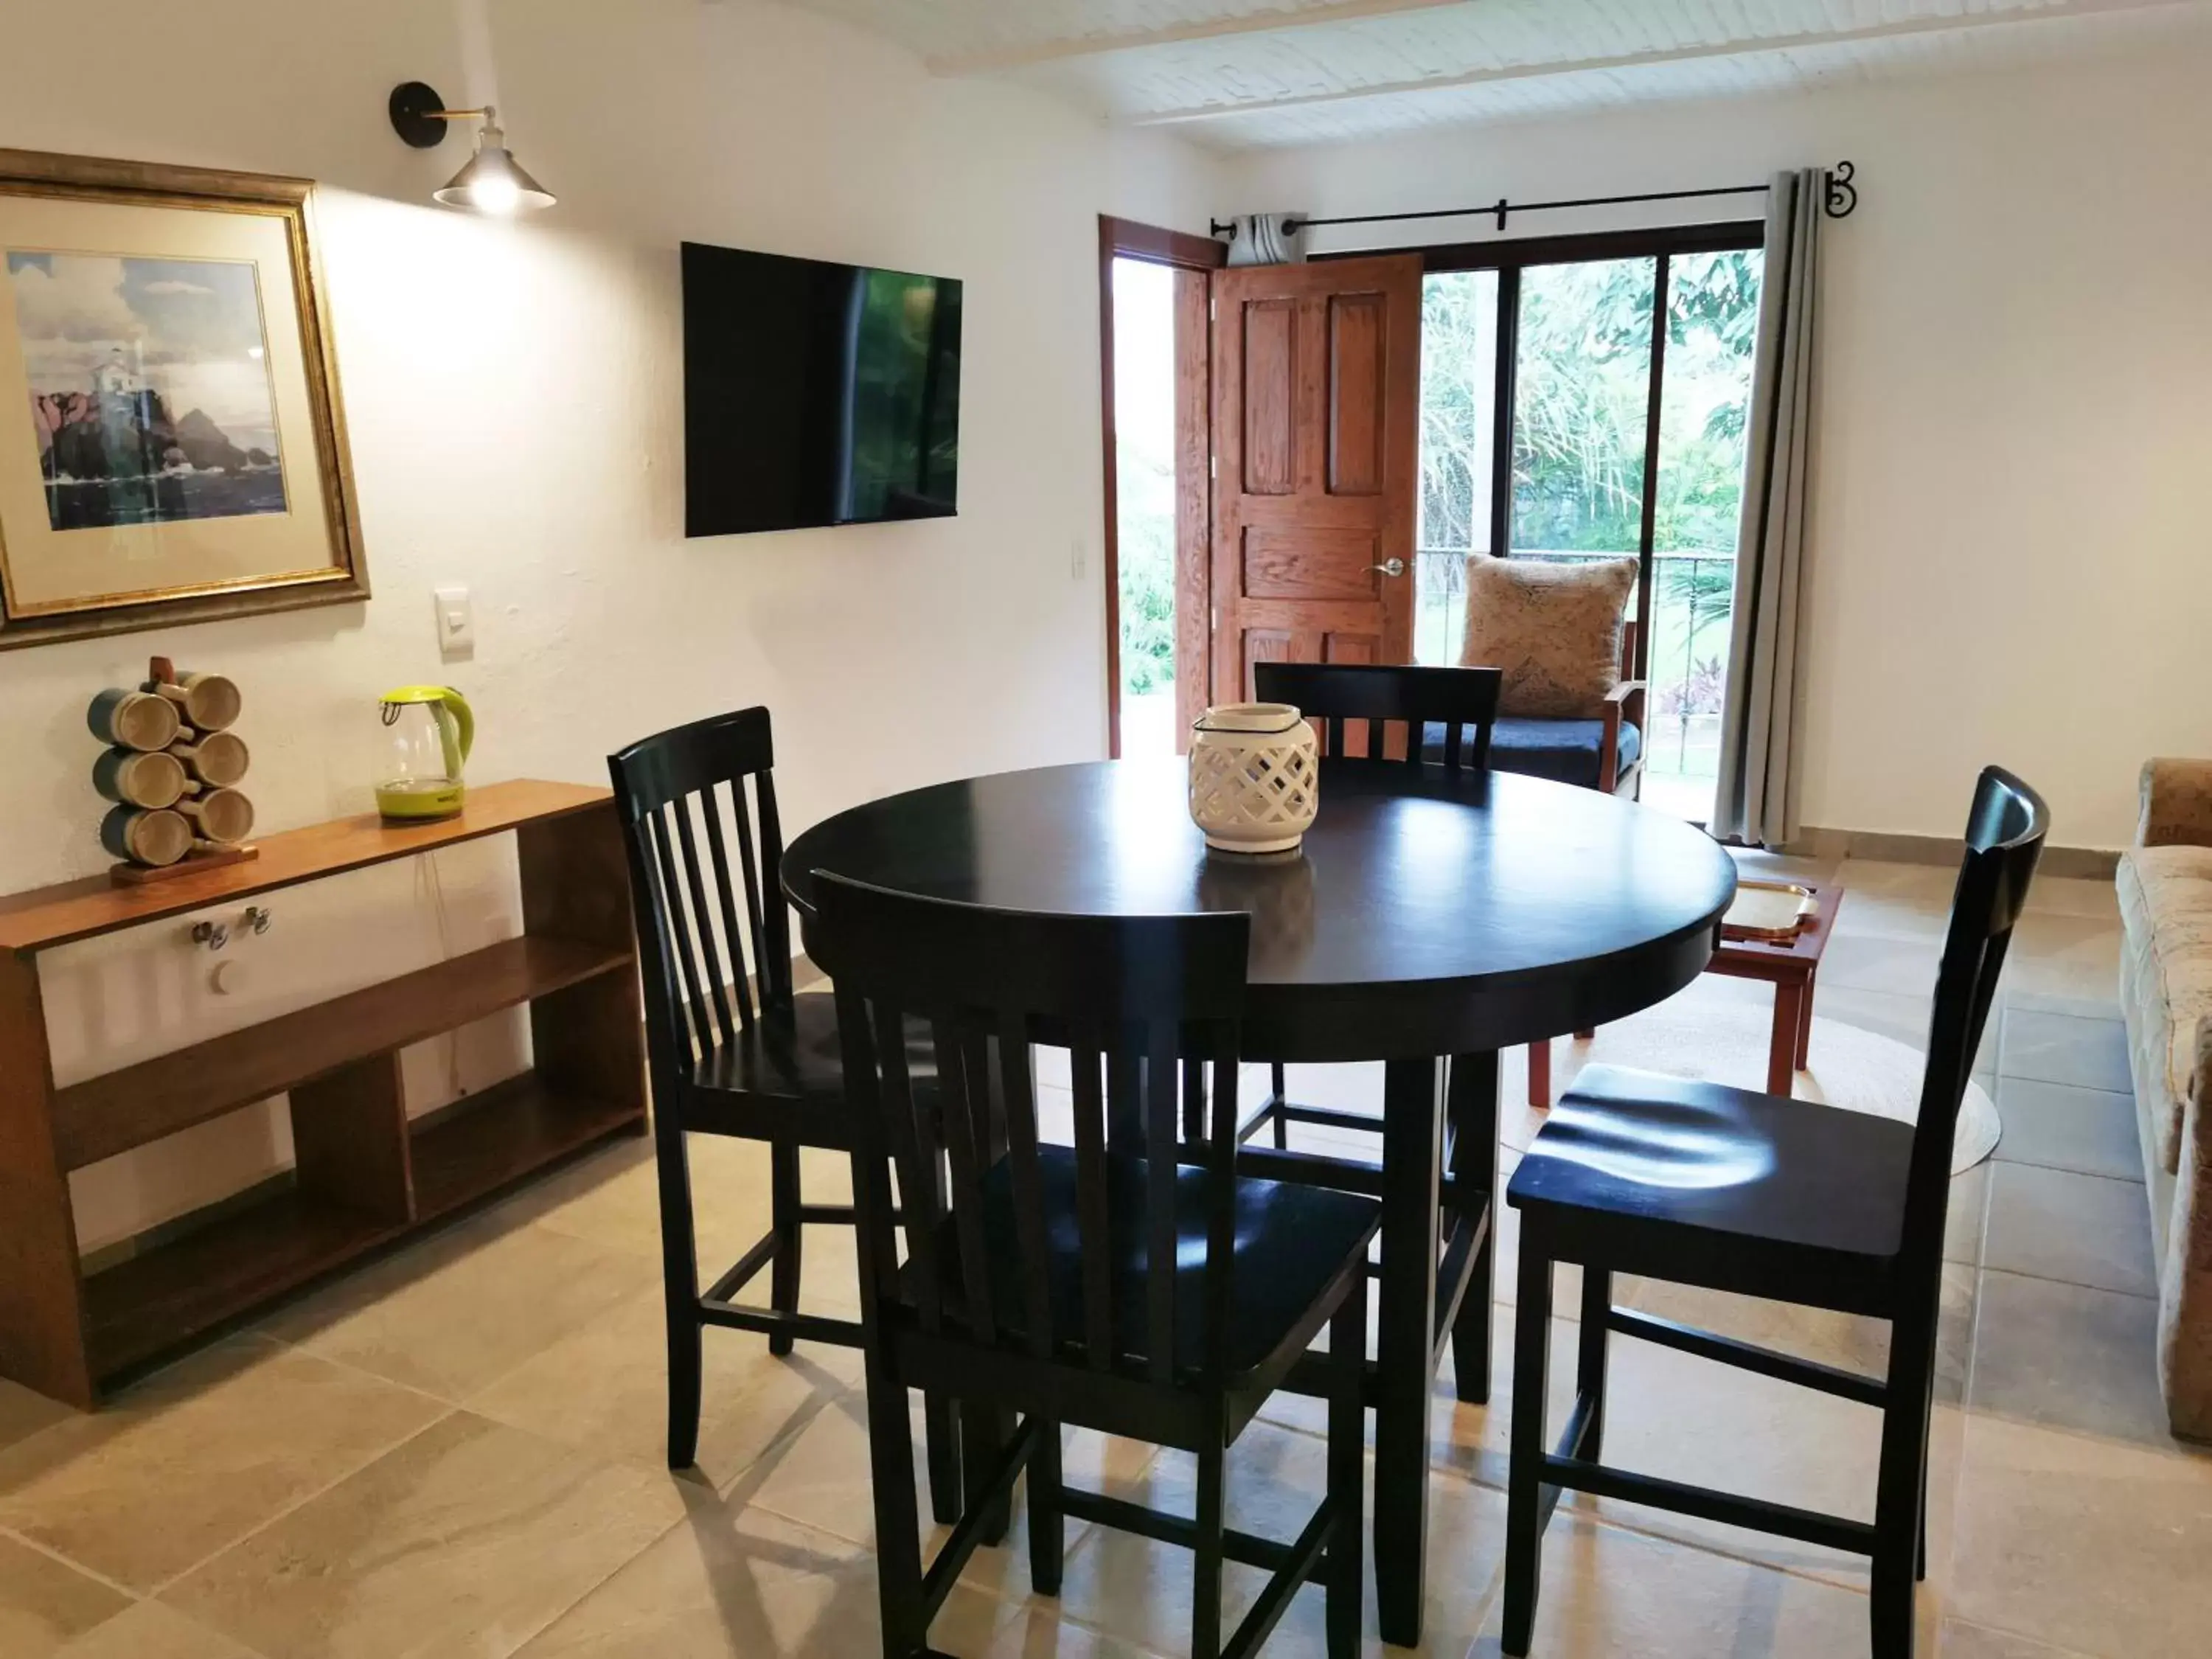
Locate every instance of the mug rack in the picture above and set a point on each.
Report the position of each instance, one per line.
(161, 676)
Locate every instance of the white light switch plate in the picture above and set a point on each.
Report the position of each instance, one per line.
(457, 624)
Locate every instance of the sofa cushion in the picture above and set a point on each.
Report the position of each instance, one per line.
(2165, 979)
(1553, 629)
(1566, 752)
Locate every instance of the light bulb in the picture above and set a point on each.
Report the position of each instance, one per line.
(495, 194)
(493, 183)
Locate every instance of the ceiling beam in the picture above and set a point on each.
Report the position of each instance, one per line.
(1116, 40)
(1959, 23)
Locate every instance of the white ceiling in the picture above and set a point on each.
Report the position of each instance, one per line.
(1241, 74)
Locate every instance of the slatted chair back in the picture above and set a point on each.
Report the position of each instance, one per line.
(1384, 696)
(2005, 829)
(1145, 1005)
(698, 805)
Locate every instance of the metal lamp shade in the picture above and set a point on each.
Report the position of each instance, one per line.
(494, 183)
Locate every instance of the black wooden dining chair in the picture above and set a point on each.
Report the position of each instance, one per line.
(1416, 715)
(1131, 1283)
(731, 1055)
(1763, 1195)
(1399, 704)
(1383, 712)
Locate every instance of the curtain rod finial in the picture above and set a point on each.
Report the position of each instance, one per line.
(1843, 195)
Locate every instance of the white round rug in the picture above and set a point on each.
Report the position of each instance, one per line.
(1724, 1040)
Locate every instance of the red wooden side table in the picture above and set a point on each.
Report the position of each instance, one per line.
(1790, 964)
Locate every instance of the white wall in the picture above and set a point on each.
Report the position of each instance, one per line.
(2016, 414)
(514, 393)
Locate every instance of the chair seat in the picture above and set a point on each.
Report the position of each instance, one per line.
(1293, 1243)
(1678, 1177)
(790, 1056)
(791, 1052)
(1566, 751)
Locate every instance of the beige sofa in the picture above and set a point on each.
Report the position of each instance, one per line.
(2165, 993)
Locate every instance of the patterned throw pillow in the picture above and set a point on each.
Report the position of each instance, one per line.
(1554, 629)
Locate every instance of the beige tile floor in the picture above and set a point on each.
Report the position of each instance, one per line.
(458, 1451)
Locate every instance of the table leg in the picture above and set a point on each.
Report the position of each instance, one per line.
(1782, 1050)
(1539, 1075)
(1474, 1172)
(1413, 1147)
(1805, 1026)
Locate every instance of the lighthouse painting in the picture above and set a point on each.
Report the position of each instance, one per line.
(150, 394)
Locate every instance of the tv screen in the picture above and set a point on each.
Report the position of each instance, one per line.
(815, 393)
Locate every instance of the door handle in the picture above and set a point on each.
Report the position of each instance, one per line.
(1391, 567)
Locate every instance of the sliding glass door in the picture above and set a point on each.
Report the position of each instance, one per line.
(1609, 392)
(1704, 396)
(1460, 433)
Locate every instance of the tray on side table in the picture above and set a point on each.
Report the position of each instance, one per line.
(1786, 957)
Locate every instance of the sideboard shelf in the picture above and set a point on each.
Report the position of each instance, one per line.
(510, 1131)
(365, 1175)
(117, 1110)
(155, 1303)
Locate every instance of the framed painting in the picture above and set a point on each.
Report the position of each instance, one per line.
(171, 445)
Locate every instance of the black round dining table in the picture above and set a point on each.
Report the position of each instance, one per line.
(1430, 918)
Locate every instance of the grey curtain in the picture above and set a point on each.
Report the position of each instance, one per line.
(1267, 239)
(1757, 797)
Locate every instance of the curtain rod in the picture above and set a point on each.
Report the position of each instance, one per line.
(1842, 197)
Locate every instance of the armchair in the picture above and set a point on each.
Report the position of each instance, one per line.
(1605, 753)
(1571, 708)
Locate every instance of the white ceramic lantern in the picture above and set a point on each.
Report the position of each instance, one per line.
(1255, 787)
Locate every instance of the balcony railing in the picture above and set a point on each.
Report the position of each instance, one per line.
(1693, 595)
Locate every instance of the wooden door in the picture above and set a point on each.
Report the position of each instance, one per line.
(1316, 373)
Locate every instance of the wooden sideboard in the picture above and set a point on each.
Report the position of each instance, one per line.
(365, 1177)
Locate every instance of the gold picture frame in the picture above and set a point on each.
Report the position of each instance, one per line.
(121, 510)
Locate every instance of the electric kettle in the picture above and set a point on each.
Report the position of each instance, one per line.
(430, 730)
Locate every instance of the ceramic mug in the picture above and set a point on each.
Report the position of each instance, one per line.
(210, 702)
(217, 759)
(219, 814)
(135, 778)
(143, 837)
(133, 719)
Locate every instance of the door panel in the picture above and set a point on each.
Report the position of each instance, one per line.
(1358, 373)
(1316, 394)
(1270, 331)
(1350, 647)
(1314, 564)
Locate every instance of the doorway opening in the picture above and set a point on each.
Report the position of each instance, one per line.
(1144, 504)
(1585, 398)
(1155, 343)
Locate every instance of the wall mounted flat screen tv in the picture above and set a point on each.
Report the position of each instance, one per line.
(815, 393)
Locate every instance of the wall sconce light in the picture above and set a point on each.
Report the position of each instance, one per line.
(493, 182)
